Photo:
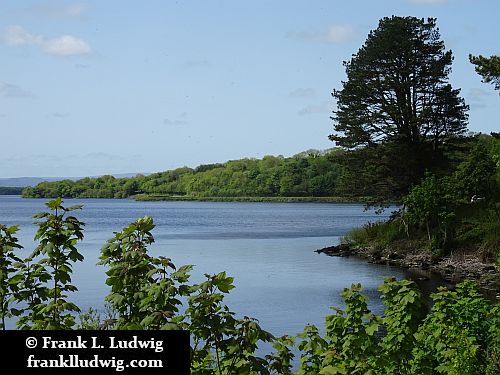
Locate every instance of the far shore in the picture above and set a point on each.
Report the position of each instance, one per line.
(176, 198)
(151, 197)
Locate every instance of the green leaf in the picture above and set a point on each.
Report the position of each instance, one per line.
(371, 329)
(16, 279)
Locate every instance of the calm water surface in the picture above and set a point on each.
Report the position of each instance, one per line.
(267, 247)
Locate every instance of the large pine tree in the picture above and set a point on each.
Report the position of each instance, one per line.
(488, 68)
(397, 99)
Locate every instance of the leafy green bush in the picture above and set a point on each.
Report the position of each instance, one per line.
(8, 260)
(457, 337)
(483, 232)
(44, 279)
(144, 293)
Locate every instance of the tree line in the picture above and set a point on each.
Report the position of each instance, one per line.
(7, 190)
(311, 173)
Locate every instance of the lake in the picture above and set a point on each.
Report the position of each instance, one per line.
(267, 247)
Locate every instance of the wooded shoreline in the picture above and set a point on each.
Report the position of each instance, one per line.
(340, 200)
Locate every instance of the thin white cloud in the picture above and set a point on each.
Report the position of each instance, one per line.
(17, 36)
(180, 120)
(193, 64)
(336, 34)
(60, 115)
(58, 9)
(101, 156)
(339, 34)
(176, 122)
(65, 45)
(9, 90)
(302, 93)
(74, 10)
(427, 2)
(477, 97)
(325, 107)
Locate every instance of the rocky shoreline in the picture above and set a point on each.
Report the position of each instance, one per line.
(453, 268)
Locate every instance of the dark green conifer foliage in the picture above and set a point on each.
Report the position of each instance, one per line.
(397, 101)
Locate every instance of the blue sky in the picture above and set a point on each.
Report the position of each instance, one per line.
(97, 87)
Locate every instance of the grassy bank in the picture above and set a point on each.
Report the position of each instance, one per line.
(473, 252)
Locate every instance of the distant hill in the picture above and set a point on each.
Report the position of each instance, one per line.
(33, 181)
(26, 181)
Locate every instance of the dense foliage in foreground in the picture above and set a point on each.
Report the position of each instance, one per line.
(311, 173)
(460, 334)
